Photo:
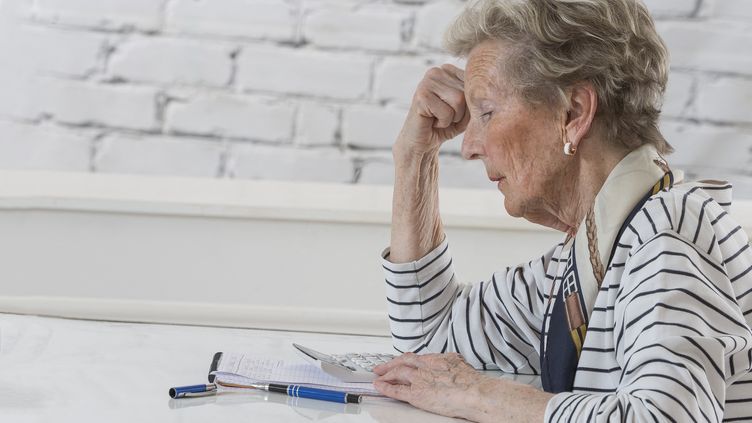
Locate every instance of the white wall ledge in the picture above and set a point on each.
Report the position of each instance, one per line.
(137, 194)
(255, 254)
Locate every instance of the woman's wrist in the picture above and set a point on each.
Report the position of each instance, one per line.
(486, 399)
(403, 151)
(500, 400)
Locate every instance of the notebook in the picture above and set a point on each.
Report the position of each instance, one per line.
(240, 368)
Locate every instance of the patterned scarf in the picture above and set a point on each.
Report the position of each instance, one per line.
(621, 196)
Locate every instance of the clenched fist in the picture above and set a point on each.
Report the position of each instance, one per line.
(438, 111)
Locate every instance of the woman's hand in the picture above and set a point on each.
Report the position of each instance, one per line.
(438, 112)
(441, 383)
(445, 384)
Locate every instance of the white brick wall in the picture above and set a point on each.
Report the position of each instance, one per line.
(317, 123)
(84, 103)
(230, 115)
(120, 153)
(369, 28)
(44, 148)
(288, 70)
(396, 78)
(165, 61)
(289, 164)
(724, 100)
(51, 51)
(371, 126)
(311, 90)
(103, 14)
(431, 21)
(259, 19)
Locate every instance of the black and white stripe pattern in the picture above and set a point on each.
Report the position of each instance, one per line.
(669, 336)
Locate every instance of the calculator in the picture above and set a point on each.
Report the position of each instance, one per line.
(350, 367)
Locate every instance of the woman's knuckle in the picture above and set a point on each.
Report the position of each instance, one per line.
(448, 67)
(434, 73)
(455, 98)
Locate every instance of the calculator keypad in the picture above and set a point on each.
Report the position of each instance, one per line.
(356, 361)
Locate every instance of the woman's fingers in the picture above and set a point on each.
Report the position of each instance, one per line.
(434, 361)
(438, 109)
(401, 360)
(400, 392)
(449, 88)
(441, 85)
(403, 375)
(454, 71)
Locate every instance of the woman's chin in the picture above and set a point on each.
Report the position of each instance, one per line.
(512, 207)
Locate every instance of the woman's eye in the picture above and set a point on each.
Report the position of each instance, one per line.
(486, 115)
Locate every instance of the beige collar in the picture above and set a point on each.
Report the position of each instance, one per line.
(627, 183)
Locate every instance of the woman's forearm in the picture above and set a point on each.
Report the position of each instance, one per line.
(498, 400)
(416, 222)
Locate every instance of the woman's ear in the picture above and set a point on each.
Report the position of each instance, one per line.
(583, 103)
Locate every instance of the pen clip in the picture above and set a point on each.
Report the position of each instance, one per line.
(193, 391)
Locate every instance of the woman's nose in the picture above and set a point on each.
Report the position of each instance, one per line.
(472, 145)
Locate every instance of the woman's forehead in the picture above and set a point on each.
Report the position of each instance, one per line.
(482, 73)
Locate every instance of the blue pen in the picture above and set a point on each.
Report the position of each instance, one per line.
(302, 392)
(193, 391)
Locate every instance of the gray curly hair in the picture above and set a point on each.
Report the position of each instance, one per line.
(612, 44)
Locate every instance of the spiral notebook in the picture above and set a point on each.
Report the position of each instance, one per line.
(239, 368)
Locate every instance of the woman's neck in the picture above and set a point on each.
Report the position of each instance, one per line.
(583, 180)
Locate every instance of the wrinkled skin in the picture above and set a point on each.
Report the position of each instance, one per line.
(434, 382)
(445, 384)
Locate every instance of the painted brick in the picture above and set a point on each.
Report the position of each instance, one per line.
(367, 28)
(158, 156)
(454, 145)
(671, 8)
(317, 124)
(107, 14)
(337, 65)
(455, 172)
(433, 20)
(678, 94)
(725, 100)
(14, 11)
(262, 19)
(371, 126)
(288, 70)
(28, 147)
(730, 9)
(21, 95)
(286, 164)
(712, 46)
(172, 61)
(741, 182)
(709, 146)
(121, 106)
(377, 170)
(397, 78)
(231, 116)
(54, 52)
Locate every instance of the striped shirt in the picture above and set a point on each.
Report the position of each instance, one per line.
(669, 334)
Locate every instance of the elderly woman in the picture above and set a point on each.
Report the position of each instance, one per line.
(642, 312)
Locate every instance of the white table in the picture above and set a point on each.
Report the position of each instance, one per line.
(59, 370)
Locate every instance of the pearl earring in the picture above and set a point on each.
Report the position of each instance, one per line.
(569, 149)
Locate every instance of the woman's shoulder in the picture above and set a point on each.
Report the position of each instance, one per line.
(698, 213)
(687, 232)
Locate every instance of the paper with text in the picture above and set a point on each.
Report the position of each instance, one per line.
(245, 368)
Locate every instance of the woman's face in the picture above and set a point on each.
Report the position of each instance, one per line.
(519, 144)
